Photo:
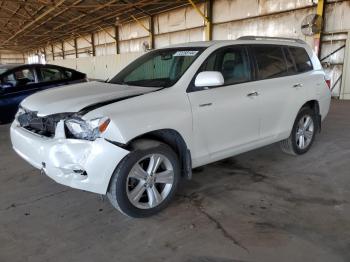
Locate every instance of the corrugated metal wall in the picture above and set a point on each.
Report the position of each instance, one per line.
(98, 67)
(231, 19)
(8, 57)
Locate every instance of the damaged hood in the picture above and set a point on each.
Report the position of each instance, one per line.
(73, 98)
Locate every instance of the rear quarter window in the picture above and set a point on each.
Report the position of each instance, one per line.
(301, 58)
(68, 74)
(49, 74)
(270, 60)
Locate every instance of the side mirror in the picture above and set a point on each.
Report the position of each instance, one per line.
(209, 79)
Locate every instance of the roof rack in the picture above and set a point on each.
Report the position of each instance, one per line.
(251, 37)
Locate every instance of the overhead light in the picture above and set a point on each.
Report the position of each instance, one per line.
(117, 19)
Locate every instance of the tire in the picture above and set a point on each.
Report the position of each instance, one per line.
(146, 183)
(293, 144)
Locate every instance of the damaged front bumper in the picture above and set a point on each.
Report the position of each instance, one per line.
(81, 164)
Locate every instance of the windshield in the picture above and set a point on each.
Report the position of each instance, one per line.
(3, 70)
(159, 68)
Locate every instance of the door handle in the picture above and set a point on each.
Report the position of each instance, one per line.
(207, 104)
(252, 94)
(297, 85)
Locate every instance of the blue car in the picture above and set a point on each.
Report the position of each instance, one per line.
(19, 81)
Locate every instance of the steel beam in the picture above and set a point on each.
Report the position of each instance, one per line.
(93, 44)
(34, 21)
(206, 18)
(76, 47)
(53, 53)
(209, 27)
(151, 32)
(345, 83)
(317, 37)
(45, 54)
(62, 48)
(116, 32)
(140, 23)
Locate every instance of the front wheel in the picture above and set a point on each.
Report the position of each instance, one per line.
(303, 133)
(145, 181)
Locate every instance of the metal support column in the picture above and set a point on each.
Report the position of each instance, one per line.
(151, 32)
(345, 83)
(76, 47)
(93, 44)
(53, 53)
(45, 54)
(317, 37)
(207, 19)
(62, 48)
(116, 37)
(209, 27)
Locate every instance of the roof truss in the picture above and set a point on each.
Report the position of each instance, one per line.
(29, 24)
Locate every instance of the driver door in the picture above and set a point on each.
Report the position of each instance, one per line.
(226, 118)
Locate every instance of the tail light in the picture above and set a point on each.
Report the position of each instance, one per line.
(328, 82)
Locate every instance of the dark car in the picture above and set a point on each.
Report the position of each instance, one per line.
(19, 81)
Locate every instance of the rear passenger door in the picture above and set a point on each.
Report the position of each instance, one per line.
(282, 87)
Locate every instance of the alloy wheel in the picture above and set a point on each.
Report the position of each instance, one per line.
(150, 181)
(305, 132)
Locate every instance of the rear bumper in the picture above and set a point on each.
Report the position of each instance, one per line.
(325, 103)
(81, 164)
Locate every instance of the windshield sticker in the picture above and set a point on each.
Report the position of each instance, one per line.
(185, 53)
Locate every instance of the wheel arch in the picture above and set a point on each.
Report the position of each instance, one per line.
(315, 106)
(170, 137)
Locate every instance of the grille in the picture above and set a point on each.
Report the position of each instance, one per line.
(44, 126)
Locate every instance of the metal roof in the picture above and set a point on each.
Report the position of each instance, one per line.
(29, 24)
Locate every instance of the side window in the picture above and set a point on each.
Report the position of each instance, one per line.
(68, 74)
(270, 61)
(289, 61)
(9, 80)
(232, 63)
(21, 77)
(50, 74)
(301, 58)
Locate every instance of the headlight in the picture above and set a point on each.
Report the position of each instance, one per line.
(20, 111)
(87, 129)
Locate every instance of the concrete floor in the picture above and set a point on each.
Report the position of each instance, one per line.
(259, 206)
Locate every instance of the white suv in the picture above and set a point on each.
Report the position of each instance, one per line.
(172, 110)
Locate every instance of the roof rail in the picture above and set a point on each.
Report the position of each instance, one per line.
(251, 37)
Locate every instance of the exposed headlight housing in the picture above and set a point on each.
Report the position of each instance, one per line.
(87, 129)
(20, 111)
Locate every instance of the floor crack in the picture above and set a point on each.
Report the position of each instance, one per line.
(197, 203)
(223, 230)
(34, 200)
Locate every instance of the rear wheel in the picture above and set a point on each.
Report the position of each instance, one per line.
(145, 181)
(303, 133)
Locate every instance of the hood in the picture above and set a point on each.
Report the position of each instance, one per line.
(73, 98)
